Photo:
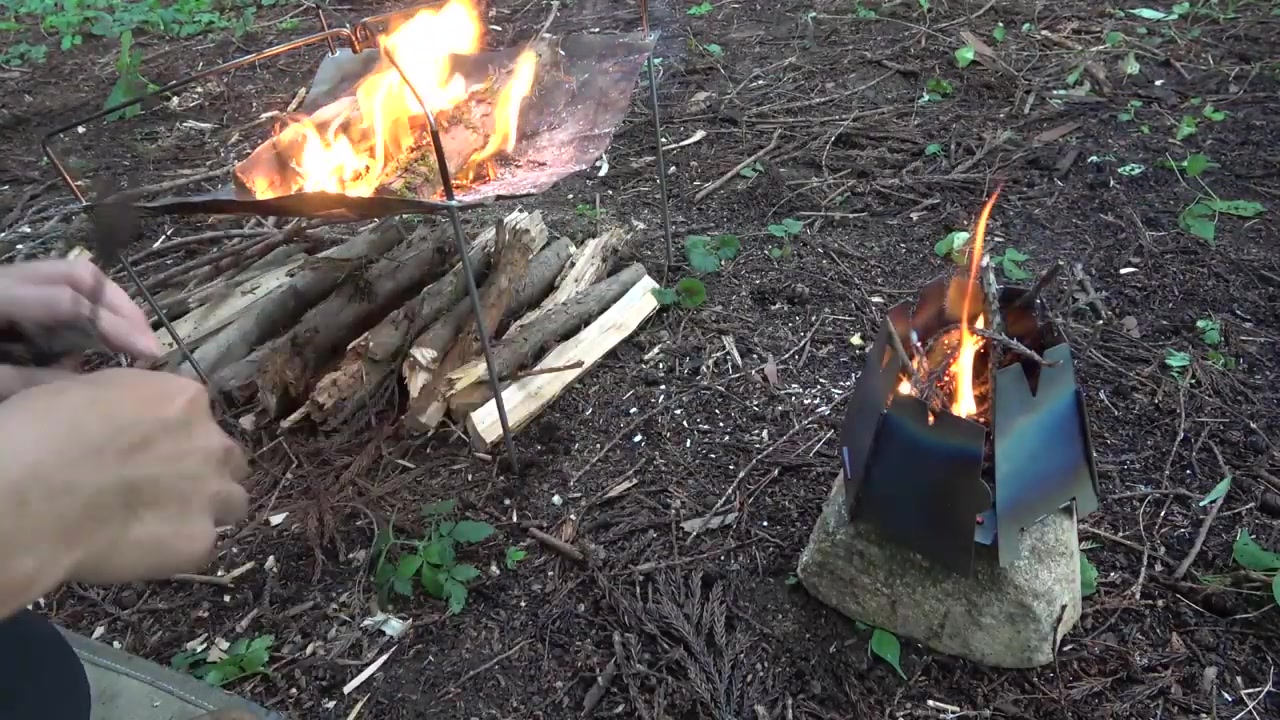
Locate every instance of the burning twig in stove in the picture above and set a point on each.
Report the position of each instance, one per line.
(1011, 344)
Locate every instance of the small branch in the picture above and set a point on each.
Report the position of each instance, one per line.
(704, 192)
(168, 185)
(1013, 345)
(492, 662)
(546, 371)
(597, 691)
(1041, 283)
(1208, 519)
(220, 580)
(558, 545)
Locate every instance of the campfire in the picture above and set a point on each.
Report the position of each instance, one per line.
(968, 386)
(366, 140)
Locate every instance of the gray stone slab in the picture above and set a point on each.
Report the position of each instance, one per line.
(1011, 617)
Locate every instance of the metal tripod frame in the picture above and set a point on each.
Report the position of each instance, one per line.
(358, 38)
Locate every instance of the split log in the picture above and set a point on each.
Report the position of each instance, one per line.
(519, 349)
(525, 398)
(295, 359)
(429, 360)
(273, 314)
(590, 265)
(373, 357)
(179, 304)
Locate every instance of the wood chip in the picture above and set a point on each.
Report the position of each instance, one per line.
(712, 522)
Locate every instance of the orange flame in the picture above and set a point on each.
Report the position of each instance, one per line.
(350, 148)
(964, 404)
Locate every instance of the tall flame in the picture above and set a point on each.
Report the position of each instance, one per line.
(350, 148)
(964, 404)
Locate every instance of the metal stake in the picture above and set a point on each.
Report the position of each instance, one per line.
(657, 145)
(446, 180)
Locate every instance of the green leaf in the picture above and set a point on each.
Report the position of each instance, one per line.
(939, 86)
(216, 676)
(701, 8)
(1186, 128)
(402, 586)
(1073, 77)
(238, 647)
(1088, 577)
(1252, 556)
(262, 642)
(1153, 15)
(1214, 114)
(792, 225)
(443, 529)
(1218, 492)
(472, 531)
(999, 33)
(701, 259)
(439, 552)
(408, 566)
(775, 253)
(1239, 208)
(455, 593)
(1210, 331)
(514, 556)
(1196, 164)
(1114, 38)
(1198, 219)
(692, 292)
(1015, 255)
(792, 580)
(664, 296)
(952, 243)
(433, 581)
(728, 246)
(436, 509)
(1131, 169)
(933, 149)
(1012, 271)
(464, 573)
(1275, 588)
(1176, 358)
(964, 56)
(714, 50)
(886, 646)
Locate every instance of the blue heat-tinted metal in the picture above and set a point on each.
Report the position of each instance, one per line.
(1042, 458)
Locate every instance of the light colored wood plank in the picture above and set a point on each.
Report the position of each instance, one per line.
(527, 397)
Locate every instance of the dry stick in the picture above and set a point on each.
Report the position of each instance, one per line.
(773, 144)
(493, 662)
(560, 546)
(173, 184)
(1013, 345)
(1126, 543)
(1038, 288)
(196, 240)
(738, 480)
(596, 694)
(1208, 520)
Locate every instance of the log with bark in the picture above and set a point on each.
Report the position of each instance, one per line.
(372, 358)
(454, 340)
(521, 348)
(590, 264)
(281, 308)
(295, 360)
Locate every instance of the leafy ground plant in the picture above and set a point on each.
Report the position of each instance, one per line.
(242, 658)
(785, 230)
(432, 562)
(884, 645)
(706, 254)
(1008, 264)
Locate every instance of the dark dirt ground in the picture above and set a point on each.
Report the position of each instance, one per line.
(675, 411)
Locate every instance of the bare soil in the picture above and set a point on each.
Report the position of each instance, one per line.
(712, 627)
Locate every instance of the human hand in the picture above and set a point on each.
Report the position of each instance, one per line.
(52, 293)
(113, 476)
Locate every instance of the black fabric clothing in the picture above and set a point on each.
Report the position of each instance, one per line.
(41, 677)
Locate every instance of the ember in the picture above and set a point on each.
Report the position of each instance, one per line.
(357, 143)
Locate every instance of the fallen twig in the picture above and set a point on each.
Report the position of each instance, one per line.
(221, 580)
(558, 545)
(704, 192)
(1208, 520)
(597, 691)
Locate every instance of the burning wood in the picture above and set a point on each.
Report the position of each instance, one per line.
(360, 142)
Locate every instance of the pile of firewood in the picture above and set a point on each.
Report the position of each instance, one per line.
(317, 336)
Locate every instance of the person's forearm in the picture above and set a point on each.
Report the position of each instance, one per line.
(15, 379)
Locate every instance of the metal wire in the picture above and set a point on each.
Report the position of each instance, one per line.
(657, 146)
(446, 180)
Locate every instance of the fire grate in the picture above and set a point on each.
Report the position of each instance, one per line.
(922, 451)
(576, 91)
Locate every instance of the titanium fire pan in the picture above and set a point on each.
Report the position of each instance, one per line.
(924, 479)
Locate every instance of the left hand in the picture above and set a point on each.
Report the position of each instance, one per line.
(61, 292)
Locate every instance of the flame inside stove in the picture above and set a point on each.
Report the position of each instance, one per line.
(349, 147)
(964, 403)
(960, 373)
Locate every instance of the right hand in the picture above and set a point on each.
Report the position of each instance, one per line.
(122, 475)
